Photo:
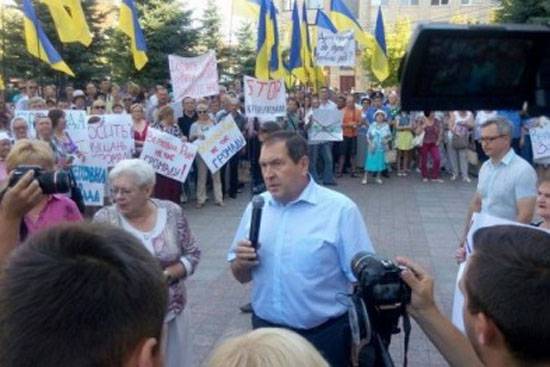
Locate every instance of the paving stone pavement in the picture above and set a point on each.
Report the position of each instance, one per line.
(404, 216)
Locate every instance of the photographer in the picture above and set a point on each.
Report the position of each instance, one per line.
(506, 289)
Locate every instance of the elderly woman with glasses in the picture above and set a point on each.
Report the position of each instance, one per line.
(164, 231)
(167, 188)
(196, 133)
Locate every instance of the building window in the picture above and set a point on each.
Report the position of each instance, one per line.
(465, 2)
(409, 2)
(380, 2)
(314, 4)
(440, 2)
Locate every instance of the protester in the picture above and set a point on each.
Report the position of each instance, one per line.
(506, 313)
(167, 188)
(94, 276)
(164, 231)
(507, 183)
(98, 107)
(79, 100)
(44, 128)
(30, 91)
(91, 94)
(20, 128)
(458, 140)
(404, 127)
(266, 347)
(298, 291)
(189, 115)
(5, 147)
(161, 100)
(378, 138)
(325, 148)
(197, 131)
(51, 209)
(66, 150)
(432, 129)
(293, 121)
(139, 127)
(350, 122)
(543, 203)
(36, 104)
(480, 119)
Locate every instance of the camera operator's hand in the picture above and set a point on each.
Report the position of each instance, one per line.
(21, 198)
(422, 287)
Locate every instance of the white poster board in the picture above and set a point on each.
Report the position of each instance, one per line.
(221, 142)
(540, 139)
(335, 49)
(265, 100)
(91, 180)
(194, 76)
(326, 125)
(111, 139)
(168, 155)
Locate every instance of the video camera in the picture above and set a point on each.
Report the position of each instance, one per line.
(51, 182)
(379, 301)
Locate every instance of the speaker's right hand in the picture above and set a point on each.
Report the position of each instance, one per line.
(246, 256)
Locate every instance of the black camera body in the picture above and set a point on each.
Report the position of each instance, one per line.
(380, 280)
(51, 182)
(379, 301)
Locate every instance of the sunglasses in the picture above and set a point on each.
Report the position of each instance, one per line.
(100, 107)
(201, 111)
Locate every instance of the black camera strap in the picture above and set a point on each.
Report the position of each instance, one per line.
(407, 330)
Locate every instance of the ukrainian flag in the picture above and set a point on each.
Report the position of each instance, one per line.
(247, 8)
(296, 63)
(343, 20)
(129, 24)
(38, 43)
(69, 21)
(323, 21)
(379, 60)
(263, 48)
(276, 67)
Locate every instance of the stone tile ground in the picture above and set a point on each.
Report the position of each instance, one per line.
(404, 217)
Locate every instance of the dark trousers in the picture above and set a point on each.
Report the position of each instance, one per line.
(231, 168)
(332, 339)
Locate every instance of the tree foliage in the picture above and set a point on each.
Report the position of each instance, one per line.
(246, 50)
(397, 39)
(524, 11)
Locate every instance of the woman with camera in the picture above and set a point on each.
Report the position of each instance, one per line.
(53, 208)
(163, 230)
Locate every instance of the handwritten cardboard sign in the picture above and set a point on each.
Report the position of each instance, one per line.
(335, 49)
(168, 155)
(91, 180)
(221, 142)
(264, 99)
(326, 126)
(194, 76)
(540, 139)
(111, 138)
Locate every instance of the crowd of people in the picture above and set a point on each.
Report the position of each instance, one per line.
(121, 278)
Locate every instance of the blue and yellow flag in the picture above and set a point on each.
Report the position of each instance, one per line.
(69, 21)
(38, 43)
(296, 65)
(129, 24)
(379, 60)
(276, 67)
(247, 8)
(269, 63)
(323, 21)
(263, 49)
(344, 20)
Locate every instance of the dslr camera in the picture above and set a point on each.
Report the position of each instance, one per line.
(51, 182)
(378, 302)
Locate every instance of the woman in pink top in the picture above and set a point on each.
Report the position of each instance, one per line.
(431, 127)
(52, 209)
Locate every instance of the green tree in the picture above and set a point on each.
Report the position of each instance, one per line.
(167, 29)
(245, 52)
(397, 39)
(524, 11)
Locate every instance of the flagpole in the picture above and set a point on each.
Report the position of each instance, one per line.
(3, 15)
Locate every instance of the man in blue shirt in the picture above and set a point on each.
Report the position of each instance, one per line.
(308, 236)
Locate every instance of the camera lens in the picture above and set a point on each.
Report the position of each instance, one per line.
(54, 182)
(359, 263)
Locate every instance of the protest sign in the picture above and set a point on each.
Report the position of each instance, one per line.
(221, 142)
(194, 76)
(326, 126)
(91, 180)
(335, 49)
(540, 139)
(111, 138)
(168, 155)
(264, 99)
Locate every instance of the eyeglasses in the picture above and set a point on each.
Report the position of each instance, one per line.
(490, 139)
(100, 107)
(122, 192)
(202, 111)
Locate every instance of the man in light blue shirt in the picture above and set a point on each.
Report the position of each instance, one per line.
(507, 185)
(308, 236)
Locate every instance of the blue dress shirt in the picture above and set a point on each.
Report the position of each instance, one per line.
(306, 247)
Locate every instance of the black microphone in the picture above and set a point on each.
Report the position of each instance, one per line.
(257, 206)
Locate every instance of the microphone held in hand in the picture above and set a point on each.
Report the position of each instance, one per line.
(257, 206)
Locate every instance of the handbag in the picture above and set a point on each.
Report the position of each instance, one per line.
(472, 157)
(459, 141)
(390, 156)
(418, 139)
